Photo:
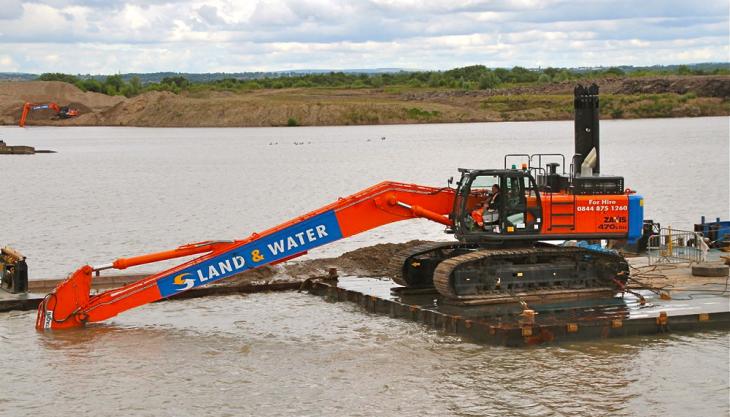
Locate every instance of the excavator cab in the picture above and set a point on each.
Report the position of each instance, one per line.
(492, 204)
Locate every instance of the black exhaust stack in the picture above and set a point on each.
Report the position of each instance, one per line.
(585, 103)
(587, 179)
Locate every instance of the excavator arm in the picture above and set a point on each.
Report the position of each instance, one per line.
(24, 114)
(70, 304)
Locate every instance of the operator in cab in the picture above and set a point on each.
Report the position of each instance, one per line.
(487, 211)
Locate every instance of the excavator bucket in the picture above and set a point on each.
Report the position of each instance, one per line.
(60, 309)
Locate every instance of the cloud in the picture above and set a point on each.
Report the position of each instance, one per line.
(209, 14)
(8, 64)
(10, 9)
(225, 35)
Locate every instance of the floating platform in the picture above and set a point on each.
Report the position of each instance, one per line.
(545, 322)
(678, 301)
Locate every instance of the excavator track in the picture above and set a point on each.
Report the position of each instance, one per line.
(413, 267)
(497, 272)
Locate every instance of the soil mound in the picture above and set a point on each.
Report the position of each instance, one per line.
(702, 86)
(709, 86)
(141, 110)
(14, 94)
(370, 261)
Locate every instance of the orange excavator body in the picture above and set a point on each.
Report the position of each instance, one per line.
(70, 304)
(552, 206)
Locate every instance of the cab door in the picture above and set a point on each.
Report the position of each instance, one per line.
(521, 211)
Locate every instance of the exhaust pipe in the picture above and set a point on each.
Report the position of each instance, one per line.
(586, 106)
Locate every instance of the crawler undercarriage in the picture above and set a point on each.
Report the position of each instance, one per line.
(469, 272)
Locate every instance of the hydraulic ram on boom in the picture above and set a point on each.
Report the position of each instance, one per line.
(70, 304)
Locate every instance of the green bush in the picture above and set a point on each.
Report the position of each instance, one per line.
(488, 80)
(617, 113)
(57, 76)
(417, 113)
(179, 81)
(615, 71)
(91, 85)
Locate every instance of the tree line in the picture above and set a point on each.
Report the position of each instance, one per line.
(474, 77)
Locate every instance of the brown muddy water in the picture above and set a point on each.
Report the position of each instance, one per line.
(295, 354)
(113, 192)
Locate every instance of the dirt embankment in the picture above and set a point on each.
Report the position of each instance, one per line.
(621, 98)
(702, 86)
(370, 261)
(13, 95)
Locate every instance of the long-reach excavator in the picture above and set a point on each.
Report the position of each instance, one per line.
(499, 247)
(62, 112)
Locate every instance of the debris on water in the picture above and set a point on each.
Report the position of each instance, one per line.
(6, 149)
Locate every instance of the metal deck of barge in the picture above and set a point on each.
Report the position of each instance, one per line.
(551, 322)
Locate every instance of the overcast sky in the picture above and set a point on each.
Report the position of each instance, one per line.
(110, 36)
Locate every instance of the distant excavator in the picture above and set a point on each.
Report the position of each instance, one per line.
(62, 112)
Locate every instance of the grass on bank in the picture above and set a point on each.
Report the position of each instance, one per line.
(616, 106)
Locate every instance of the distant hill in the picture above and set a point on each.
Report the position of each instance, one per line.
(704, 66)
(17, 76)
(156, 77)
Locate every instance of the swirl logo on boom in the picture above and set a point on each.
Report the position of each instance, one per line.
(181, 280)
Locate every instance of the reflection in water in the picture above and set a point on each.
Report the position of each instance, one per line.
(290, 353)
